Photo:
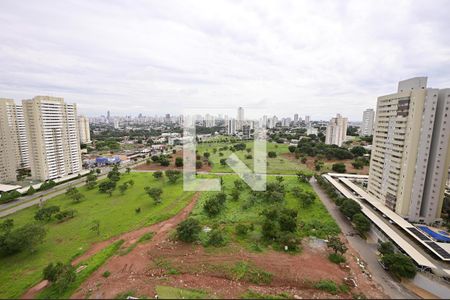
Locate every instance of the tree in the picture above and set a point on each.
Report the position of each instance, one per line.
(399, 265)
(223, 161)
(272, 154)
(178, 162)
(98, 171)
(164, 162)
(74, 194)
(128, 170)
(362, 224)
(305, 198)
(335, 243)
(350, 208)
(357, 164)
(61, 275)
(130, 182)
(95, 227)
(235, 193)
(318, 165)
(31, 191)
(241, 229)
(206, 155)
(292, 149)
(302, 177)
(215, 238)
(91, 181)
(288, 220)
(107, 187)
(386, 248)
(157, 174)
(198, 164)
(269, 229)
(45, 214)
(358, 151)
(280, 179)
(6, 226)
(304, 160)
(173, 175)
(238, 184)
(25, 237)
(188, 230)
(155, 193)
(212, 207)
(123, 187)
(339, 168)
(289, 240)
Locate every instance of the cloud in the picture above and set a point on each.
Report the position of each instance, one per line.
(310, 57)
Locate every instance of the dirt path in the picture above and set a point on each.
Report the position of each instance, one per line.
(160, 229)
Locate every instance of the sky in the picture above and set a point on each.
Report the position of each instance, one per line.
(314, 58)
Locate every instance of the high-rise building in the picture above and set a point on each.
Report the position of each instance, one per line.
(295, 118)
(246, 131)
(231, 126)
(410, 152)
(53, 137)
(13, 143)
(84, 128)
(336, 131)
(307, 119)
(367, 122)
(240, 118)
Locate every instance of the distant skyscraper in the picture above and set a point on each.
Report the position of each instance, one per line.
(84, 128)
(53, 137)
(108, 116)
(410, 152)
(231, 127)
(367, 122)
(336, 131)
(307, 119)
(240, 118)
(296, 118)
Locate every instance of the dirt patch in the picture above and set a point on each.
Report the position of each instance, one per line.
(165, 262)
(157, 167)
(311, 164)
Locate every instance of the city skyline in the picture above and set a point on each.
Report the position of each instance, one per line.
(274, 59)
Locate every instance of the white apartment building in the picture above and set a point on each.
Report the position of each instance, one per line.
(410, 152)
(85, 130)
(336, 131)
(53, 137)
(240, 118)
(367, 122)
(231, 126)
(307, 120)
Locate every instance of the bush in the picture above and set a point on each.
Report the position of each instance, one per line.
(350, 208)
(327, 285)
(336, 258)
(215, 238)
(339, 168)
(61, 275)
(386, 248)
(198, 164)
(173, 175)
(399, 265)
(188, 230)
(65, 215)
(362, 224)
(157, 174)
(25, 237)
(179, 162)
(272, 154)
(45, 213)
(106, 274)
(241, 229)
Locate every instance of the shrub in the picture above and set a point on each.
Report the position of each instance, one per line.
(188, 230)
(173, 175)
(106, 274)
(179, 162)
(272, 154)
(399, 265)
(25, 237)
(336, 258)
(65, 215)
(386, 248)
(215, 238)
(327, 285)
(137, 210)
(157, 174)
(241, 229)
(339, 168)
(45, 213)
(61, 275)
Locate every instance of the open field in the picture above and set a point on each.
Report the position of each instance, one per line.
(169, 268)
(276, 165)
(312, 221)
(65, 241)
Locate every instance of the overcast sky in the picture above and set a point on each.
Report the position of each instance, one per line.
(315, 58)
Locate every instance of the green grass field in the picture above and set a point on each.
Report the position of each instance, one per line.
(277, 165)
(66, 240)
(312, 221)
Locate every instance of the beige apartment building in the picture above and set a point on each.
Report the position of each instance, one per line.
(410, 151)
(53, 137)
(336, 131)
(13, 143)
(84, 128)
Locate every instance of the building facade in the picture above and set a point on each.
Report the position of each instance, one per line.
(240, 118)
(367, 122)
(53, 137)
(410, 146)
(336, 131)
(231, 126)
(85, 130)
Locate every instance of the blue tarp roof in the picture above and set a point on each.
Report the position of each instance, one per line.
(438, 237)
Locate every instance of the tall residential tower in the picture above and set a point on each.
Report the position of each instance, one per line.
(410, 153)
(367, 122)
(336, 131)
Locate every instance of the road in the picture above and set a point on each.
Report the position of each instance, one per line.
(366, 250)
(27, 201)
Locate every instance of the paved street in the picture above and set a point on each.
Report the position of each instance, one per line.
(366, 250)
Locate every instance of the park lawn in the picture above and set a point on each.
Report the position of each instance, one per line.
(277, 165)
(313, 221)
(65, 241)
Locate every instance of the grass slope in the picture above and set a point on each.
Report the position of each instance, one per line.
(67, 240)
